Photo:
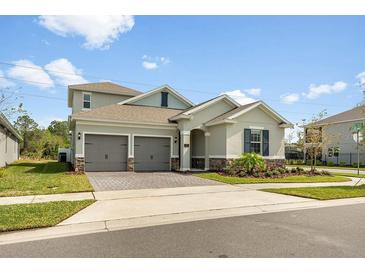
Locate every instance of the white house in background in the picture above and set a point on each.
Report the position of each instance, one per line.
(9, 142)
(115, 128)
(340, 144)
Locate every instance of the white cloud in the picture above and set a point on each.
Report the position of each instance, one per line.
(240, 96)
(5, 83)
(253, 91)
(290, 98)
(151, 63)
(317, 90)
(65, 72)
(30, 73)
(361, 78)
(99, 31)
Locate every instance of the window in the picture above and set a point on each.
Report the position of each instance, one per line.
(336, 151)
(164, 96)
(86, 100)
(255, 141)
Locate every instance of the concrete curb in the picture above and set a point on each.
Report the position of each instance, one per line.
(147, 221)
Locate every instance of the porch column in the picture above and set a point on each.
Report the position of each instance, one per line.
(185, 150)
(206, 140)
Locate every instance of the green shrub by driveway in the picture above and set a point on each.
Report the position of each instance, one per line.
(290, 179)
(26, 216)
(322, 193)
(41, 177)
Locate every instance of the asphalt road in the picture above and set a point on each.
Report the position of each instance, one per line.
(326, 232)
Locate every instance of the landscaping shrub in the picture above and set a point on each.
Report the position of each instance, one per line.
(355, 164)
(330, 163)
(342, 163)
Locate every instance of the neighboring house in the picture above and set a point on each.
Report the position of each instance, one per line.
(119, 129)
(9, 142)
(293, 152)
(339, 145)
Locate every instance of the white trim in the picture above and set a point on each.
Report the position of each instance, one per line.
(274, 157)
(104, 133)
(175, 156)
(224, 156)
(156, 136)
(206, 134)
(207, 104)
(198, 157)
(124, 124)
(151, 92)
(186, 132)
(83, 100)
(204, 106)
(225, 121)
(253, 127)
(269, 111)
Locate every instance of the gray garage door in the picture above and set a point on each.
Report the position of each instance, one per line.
(151, 154)
(106, 153)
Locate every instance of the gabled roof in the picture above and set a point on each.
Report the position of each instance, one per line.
(102, 87)
(230, 115)
(128, 114)
(4, 122)
(156, 90)
(355, 114)
(186, 113)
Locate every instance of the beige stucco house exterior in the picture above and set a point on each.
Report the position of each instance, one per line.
(9, 142)
(115, 128)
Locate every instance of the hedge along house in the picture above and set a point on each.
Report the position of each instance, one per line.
(9, 142)
(115, 128)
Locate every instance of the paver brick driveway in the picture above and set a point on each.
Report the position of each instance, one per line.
(105, 181)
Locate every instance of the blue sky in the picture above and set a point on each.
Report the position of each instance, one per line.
(298, 65)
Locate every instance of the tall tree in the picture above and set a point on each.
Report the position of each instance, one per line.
(9, 102)
(60, 128)
(26, 126)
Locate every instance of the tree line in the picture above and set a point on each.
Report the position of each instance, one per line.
(39, 142)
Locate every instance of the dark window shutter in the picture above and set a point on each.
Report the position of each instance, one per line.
(164, 99)
(247, 140)
(265, 143)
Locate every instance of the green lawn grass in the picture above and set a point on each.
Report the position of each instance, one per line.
(26, 216)
(322, 193)
(41, 177)
(289, 179)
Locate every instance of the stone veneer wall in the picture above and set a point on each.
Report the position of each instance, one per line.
(218, 163)
(130, 164)
(272, 163)
(79, 165)
(175, 164)
(221, 163)
(198, 163)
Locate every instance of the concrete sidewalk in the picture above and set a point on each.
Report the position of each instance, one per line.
(31, 199)
(156, 192)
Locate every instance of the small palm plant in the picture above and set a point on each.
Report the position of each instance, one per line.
(251, 161)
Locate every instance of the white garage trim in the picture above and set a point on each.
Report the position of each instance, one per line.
(157, 136)
(104, 133)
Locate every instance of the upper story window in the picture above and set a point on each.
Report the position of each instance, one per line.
(164, 99)
(86, 101)
(255, 141)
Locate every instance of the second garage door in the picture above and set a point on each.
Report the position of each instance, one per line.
(106, 153)
(151, 154)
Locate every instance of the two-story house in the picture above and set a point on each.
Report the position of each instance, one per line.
(114, 128)
(338, 143)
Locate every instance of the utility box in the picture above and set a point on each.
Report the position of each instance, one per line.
(64, 155)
